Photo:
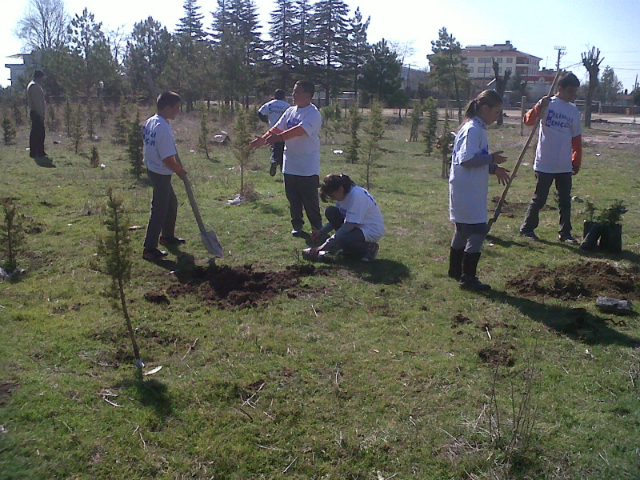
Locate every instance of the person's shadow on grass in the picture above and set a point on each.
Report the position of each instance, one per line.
(575, 323)
(44, 162)
(381, 271)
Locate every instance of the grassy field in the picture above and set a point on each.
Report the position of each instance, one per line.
(362, 371)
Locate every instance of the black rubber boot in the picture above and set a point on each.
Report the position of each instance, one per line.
(455, 263)
(469, 280)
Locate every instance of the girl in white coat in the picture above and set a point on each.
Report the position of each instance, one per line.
(471, 165)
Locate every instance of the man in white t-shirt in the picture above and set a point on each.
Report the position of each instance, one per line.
(299, 126)
(270, 113)
(160, 158)
(558, 155)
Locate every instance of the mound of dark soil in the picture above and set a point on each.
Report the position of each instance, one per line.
(241, 287)
(498, 354)
(583, 279)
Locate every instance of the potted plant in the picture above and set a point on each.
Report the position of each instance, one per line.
(606, 231)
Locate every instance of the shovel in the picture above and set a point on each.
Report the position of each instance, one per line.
(209, 239)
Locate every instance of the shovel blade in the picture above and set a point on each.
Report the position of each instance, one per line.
(212, 244)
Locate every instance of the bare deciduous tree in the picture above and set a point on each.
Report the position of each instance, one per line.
(591, 61)
(44, 24)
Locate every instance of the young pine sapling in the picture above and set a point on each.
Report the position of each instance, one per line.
(135, 147)
(11, 234)
(353, 146)
(241, 148)
(374, 131)
(114, 250)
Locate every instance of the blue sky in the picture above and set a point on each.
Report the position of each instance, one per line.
(532, 27)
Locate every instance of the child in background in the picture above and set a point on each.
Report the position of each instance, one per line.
(160, 158)
(356, 218)
(270, 113)
(558, 155)
(471, 165)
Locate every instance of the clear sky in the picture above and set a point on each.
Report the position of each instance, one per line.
(534, 27)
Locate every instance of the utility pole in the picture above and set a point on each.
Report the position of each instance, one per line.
(560, 50)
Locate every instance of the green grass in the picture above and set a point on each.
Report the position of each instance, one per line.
(366, 378)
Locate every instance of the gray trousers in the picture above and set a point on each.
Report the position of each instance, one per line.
(469, 236)
(352, 242)
(563, 186)
(164, 209)
(302, 192)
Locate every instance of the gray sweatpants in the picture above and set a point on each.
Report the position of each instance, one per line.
(469, 236)
(164, 209)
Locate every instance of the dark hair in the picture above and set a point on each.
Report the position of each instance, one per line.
(332, 183)
(491, 98)
(38, 74)
(307, 86)
(167, 99)
(279, 95)
(569, 80)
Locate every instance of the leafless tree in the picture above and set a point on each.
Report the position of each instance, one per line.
(591, 61)
(44, 24)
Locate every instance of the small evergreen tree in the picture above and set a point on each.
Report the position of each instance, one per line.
(7, 127)
(431, 128)
(242, 151)
(52, 118)
(353, 146)
(94, 160)
(121, 125)
(114, 249)
(76, 127)
(102, 112)
(11, 234)
(203, 138)
(17, 107)
(135, 147)
(416, 120)
(444, 144)
(331, 117)
(68, 114)
(375, 131)
(91, 128)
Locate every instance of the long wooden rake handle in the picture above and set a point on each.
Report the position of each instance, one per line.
(534, 130)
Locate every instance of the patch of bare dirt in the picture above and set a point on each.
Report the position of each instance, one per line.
(572, 281)
(242, 287)
(510, 209)
(498, 354)
(156, 296)
(7, 388)
(459, 319)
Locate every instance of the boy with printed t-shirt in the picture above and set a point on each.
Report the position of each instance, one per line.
(299, 126)
(160, 158)
(270, 113)
(558, 155)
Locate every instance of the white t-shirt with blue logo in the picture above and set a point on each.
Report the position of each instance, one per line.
(273, 110)
(158, 144)
(469, 187)
(554, 151)
(302, 154)
(360, 208)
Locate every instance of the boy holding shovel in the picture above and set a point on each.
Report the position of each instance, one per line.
(160, 158)
(558, 155)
